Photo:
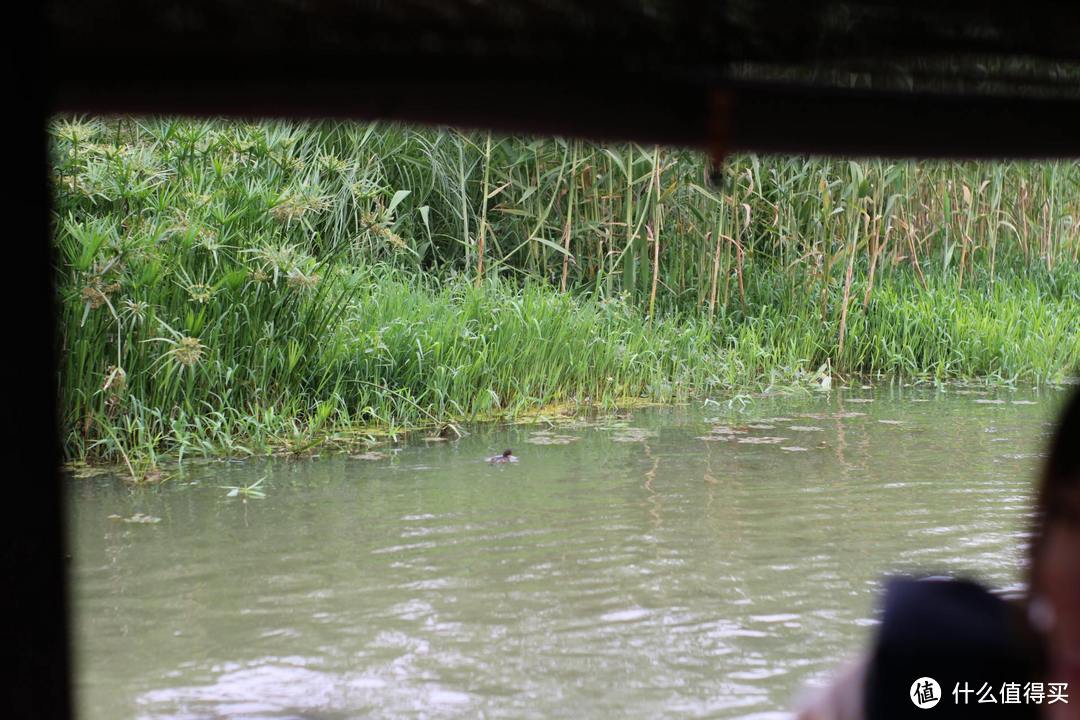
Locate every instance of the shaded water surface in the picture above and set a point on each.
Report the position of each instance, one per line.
(676, 562)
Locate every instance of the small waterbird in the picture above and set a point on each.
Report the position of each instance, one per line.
(506, 457)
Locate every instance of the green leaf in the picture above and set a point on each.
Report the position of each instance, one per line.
(617, 160)
(551, 245)
(706, 193)
(425, 212)
(232, 280)
(396, 200)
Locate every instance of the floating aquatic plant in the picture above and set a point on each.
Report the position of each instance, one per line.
(631, 435)
(537, 439)
(370, 455)
(244, 492)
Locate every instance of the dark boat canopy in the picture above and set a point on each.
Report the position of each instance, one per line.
(917, 77)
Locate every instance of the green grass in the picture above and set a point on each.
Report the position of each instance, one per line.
(232, 287)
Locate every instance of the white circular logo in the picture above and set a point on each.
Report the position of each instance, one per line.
(925, 693)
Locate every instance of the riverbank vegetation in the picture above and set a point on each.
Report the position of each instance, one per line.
(233, 287)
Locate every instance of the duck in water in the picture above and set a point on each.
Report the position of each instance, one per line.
(506, 457)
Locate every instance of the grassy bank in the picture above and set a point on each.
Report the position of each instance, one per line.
(234, 287)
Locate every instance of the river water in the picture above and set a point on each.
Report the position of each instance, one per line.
(699, 561)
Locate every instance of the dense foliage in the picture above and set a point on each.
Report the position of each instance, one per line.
(231, 287)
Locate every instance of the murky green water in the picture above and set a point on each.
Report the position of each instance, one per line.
(638, 571)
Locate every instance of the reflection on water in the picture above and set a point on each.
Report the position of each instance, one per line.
(685, 561)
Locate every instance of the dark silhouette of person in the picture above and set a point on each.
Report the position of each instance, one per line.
(987, 657)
